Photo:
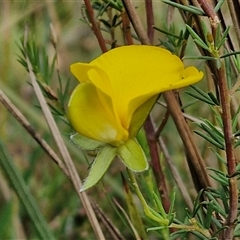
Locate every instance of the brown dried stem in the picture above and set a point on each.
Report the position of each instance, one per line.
(26, 124)
(126, 29)
(95, 26)
(187, 138)
(155, 162)
(136, 22)
(231, 161)
(150, 20)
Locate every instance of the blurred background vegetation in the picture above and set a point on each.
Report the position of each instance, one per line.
(53, 192)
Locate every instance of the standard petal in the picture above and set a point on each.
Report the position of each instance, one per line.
(190, 75)
(134, 71)
(89, 117)
(86, 72)
(80, 71)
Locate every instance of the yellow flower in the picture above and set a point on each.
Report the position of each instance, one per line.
(119, 88)
(116, 92)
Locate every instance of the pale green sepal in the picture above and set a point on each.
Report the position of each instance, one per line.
(86, 143)
(100, 166)
(133, 156)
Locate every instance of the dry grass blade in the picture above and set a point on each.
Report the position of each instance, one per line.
(175, 174)
(25, 123)
(64, 151)
(128, 219)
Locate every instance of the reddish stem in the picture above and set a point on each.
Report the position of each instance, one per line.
(127, 29)
(155, 163)
(150, 20)
(231, 161)
(95, 26)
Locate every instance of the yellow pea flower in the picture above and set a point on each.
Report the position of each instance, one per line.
(118, 89)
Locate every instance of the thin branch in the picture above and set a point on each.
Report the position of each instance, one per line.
(176, 176)
(126, 29)
(136, 22)
(155, 162)
(25, 123)
(95, 26)
(231, 161)
(150, 20)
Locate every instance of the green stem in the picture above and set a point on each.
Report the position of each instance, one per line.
(163, 219)
(148, 211)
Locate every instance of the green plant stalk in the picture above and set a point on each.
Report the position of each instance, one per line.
(231, 162)
(160, 219)
(21, 189)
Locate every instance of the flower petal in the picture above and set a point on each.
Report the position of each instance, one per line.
(125, 73)
(89, 117)
(85, 72)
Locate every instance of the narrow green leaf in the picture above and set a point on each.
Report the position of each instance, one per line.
(219, 179)
(221, 41)
(201, 92)
(167, 33)
(208, 218)
(219, 5)
(196, 38)
(86, 143)
(199, 57)
(214, 133)
(219, 157)
(133, 156)
(230, 54)
(196, 205)
(21, 189)
(199, 97)
(209, 139)
(100, 165)
(213, 98)
(159, 205)
(134, 213)
(216, 205)
(191, 9)
(201, 44)
(172, 201)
